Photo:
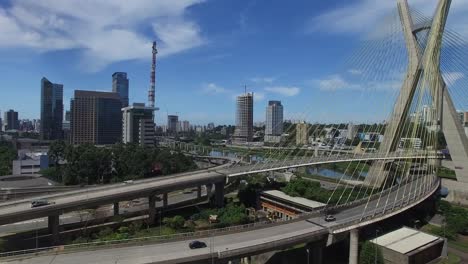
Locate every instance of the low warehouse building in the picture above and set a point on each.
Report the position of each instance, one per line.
(410, 246)
(279, 205)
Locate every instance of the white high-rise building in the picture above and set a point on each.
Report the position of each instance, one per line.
(138, 125)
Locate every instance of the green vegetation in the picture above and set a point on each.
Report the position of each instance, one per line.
(370, 254)
(88, 164)
(447, 173)
(452, 259)
(7, 155)
(177, 222)
(231, 214)
(456, 223)
(312, 190)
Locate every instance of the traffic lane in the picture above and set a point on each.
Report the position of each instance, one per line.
(103, 211)
(159, 253)
(374, 206)
(103, 194)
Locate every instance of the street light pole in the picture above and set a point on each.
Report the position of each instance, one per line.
(375, 245)
(308, 255)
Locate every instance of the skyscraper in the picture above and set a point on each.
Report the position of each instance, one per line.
(120, 86)
(244, 118)
(51, 110)
(274, 122)
(96, 118)
(172, 121)
(138, 125)
(10, 118)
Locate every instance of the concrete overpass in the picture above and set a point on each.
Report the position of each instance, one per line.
(309, 228)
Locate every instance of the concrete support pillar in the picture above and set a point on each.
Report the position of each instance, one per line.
(116, 208)
(219, 194)
(54, 224)
(316, 152)
(353, 246)
(314, 251)
(165, 200)
(151, 208)
(199, 192)
(209, 188)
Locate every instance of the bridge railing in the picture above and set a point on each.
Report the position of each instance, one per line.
(401, 203)
(154, 239)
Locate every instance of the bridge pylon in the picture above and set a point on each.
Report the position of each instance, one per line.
(423, 69)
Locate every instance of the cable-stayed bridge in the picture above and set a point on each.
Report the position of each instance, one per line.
(424, 107)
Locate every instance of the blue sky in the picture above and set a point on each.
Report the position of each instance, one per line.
(291, 51)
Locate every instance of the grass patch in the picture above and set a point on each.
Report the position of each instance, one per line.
(446, 173)
(460, 244)
(452, 259)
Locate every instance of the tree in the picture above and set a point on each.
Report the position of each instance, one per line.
(370, 254)
(7, 155)
(177, 222)
(57, 151)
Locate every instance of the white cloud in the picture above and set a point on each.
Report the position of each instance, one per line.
(355, 71)
(105, 31)
(362, 15)
(259, 96)
(285, 91)
(452, 77)
(263, 79)
(337, 82)
(212, 88)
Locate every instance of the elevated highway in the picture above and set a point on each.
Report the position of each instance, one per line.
(21, 210)
(308, 228)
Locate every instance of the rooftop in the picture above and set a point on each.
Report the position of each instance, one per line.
(296, 200)
(404, 240)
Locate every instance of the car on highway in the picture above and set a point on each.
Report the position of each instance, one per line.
(330, 218)
(38, 203)
(197, 244)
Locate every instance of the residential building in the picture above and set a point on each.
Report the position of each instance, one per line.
(96, 118)
(410, 143)
(244, 118)
(120, 86)
(352, 131)
(10, 119)
(185, 126)
(274, 122)
(138, 125)
(302, 134)
(172, 122)
(51, 110)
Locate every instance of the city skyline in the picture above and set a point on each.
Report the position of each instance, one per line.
(215, 61)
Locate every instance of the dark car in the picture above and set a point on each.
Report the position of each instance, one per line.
(330, 218)
(37, 203)
(197, 244)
